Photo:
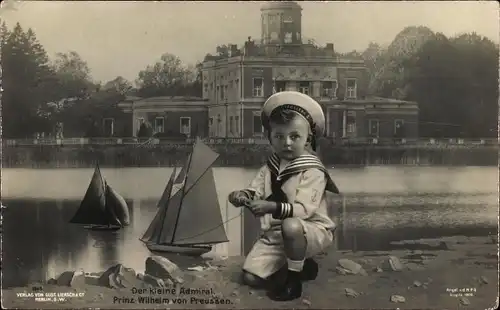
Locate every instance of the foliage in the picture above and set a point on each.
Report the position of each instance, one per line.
(454, 80)
(27, 80)
(169, 77)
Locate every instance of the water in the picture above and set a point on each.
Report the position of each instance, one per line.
(378, 205)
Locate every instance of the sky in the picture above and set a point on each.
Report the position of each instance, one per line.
(121, 38)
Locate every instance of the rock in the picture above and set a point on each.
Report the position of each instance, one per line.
(306, 302)
(154, 281)
(393, 264)
(464, 301)
(484, 280)
(349, 292)
(398, 299)
(417, 283)
(119, 276)
(71, 278)
(347, 266)
(163, 268)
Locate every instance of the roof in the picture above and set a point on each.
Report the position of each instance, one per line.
(170, 99)
(376, 100)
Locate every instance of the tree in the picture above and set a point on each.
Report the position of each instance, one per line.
(27, 82)
(119, 85)
(168, 77)
(73, 75)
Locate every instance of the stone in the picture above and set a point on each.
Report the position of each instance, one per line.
(393, 264)
(119, 276)
(417, 283)
(163, 268)
(398, 299)
(154, 281)
(349, 292)
(347, 266)
(74, 279)
(464, 301)
(306, 302)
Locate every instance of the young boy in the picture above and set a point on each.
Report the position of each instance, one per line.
(288, 195)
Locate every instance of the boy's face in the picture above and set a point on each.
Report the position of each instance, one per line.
(289, 140)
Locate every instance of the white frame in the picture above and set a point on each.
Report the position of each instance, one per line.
(180, 125)
(334, 90)
(162, 125)
(301, 88)
(398, 120)
(258, 91)
(370, 127)
(351, 92)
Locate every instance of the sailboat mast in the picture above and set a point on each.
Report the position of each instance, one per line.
(183, 192)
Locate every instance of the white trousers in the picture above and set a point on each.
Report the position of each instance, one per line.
(268, 254)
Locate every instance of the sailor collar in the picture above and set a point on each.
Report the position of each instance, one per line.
(297, 165)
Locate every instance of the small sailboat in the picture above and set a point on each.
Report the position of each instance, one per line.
(102, 208)
(188, 220)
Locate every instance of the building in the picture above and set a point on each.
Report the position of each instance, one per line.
(236, 83)
(168, 116)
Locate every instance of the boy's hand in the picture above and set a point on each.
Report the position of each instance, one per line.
(261, 207)
(238, 199)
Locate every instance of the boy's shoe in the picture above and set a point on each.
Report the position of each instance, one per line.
(289, 290)
(310, 270)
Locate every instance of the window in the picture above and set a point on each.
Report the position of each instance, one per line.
(373, 127)
(231, 124)
(351, 122)
(237, 124)
(225, 92)
(351, 89)
(211, 127)
(329, 89)
(206, 87)
(221, 92)
(159, 124)
(399, 125)
(108, 126)
(237, 85)
(304, 87)
(230, 84)
(185, 125)
(257, 124)
(258, 87)
(279, 86)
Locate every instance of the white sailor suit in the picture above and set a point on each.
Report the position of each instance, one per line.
(300, 189)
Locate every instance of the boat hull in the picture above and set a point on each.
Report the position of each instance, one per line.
(102, 227)
(191, 250)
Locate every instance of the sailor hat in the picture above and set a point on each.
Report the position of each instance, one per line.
(299, 102)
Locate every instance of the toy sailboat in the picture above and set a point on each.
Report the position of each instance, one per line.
(188, 220)
(102, 208)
